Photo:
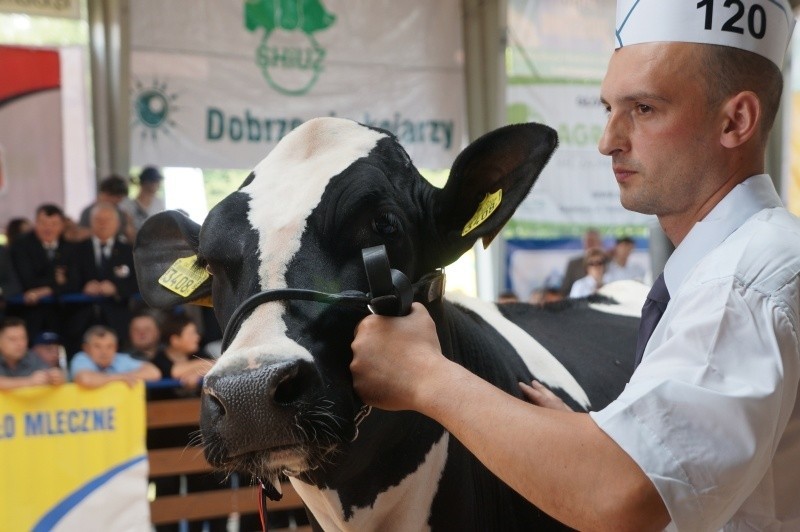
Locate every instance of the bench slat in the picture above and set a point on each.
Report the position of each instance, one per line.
(214, 503)
(173, 412)
(177, 461)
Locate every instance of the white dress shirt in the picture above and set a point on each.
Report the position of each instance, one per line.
(712, 414)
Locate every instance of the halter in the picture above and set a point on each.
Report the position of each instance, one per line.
(390, 294)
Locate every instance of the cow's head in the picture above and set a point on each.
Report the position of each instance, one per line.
(280, 396)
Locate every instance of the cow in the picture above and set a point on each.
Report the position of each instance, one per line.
(279, 400)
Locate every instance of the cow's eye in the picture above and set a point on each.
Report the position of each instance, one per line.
(386, 224)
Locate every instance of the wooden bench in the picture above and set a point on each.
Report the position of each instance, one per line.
(184, 460)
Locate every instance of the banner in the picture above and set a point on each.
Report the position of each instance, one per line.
(559, 50)
(44, 141)
(45, 8)
(217, 83)
(73, 459)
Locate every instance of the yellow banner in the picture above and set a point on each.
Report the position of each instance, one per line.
(72, 457)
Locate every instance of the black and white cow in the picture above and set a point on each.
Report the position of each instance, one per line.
(280, 399)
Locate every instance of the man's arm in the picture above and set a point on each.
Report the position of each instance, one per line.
(37, 378)
(560, 461)
(95, 379)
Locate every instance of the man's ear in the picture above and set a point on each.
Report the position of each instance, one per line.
(742, 119)
(487, 182)
(164, 256)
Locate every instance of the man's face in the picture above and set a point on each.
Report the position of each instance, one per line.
(143, 333)
(661, 134)
(48, 353)
(48, 228)
(13, 343)
(104, 224)
(101, 349)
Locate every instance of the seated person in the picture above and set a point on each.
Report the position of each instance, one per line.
(619, 268)
(595, 266)
(179, 358)
(47, 346)
(99, 363)
(18, 366)
(144, 336)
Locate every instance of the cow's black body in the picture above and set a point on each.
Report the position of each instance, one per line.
(280, 398)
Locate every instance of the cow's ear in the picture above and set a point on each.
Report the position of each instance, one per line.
(487, 182)
(165, 259)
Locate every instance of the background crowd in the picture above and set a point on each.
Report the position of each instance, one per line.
(585, 273)
(70, 311)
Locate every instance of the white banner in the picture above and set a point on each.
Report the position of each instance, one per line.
(560, 49)
(46, 8)
(216, 83)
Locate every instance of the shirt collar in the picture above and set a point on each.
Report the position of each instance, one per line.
(746, 199)
(100, 244)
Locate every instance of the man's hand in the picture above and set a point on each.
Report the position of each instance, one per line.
(32, 296)
(56, 376)
(392, 356)
(92, 288)
(538, 394)
(107, 288)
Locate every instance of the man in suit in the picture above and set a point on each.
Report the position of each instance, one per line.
(105, 273)
(45, 266)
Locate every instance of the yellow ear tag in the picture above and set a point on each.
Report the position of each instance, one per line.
(485, 209)
(184, 276)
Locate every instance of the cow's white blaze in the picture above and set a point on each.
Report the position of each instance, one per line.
(288, 185)
(538, 359)
(404, 507)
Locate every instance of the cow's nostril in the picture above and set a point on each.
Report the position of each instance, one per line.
(296, 383)
(213, 404)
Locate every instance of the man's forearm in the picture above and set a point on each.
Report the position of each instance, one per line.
(560, 461)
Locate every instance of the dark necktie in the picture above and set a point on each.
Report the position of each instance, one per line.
(652, 310)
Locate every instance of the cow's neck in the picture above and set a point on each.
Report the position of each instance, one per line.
(401, 507)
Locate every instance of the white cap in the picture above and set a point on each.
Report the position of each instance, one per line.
(760, 26)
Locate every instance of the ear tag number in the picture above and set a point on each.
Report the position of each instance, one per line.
(485, 209)
(184, 276)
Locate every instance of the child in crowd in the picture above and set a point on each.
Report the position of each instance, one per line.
(180, 357)
(99, 363)
(18, 366)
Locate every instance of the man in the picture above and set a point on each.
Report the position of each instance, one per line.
(99, 363)
(18, 366)
(114, 190)
(704, 436)
(47, 346)
(146, 203)
(618, 267)
(106, 273)
(576, 267)
(45, 266)
(144, 336)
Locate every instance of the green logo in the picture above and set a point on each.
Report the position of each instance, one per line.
(289, 56)
(152, 109)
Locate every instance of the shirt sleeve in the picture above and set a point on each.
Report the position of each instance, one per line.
(704, 412)
(124, 363)
(81, 362)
